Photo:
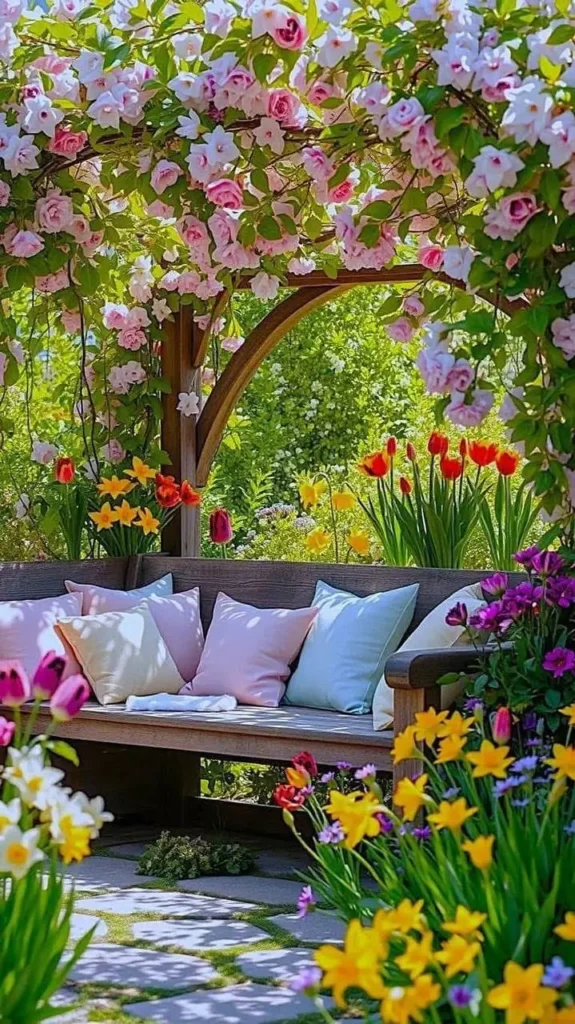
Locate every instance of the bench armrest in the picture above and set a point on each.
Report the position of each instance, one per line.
(416, 670)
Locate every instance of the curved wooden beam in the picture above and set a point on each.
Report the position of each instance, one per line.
(244, 363)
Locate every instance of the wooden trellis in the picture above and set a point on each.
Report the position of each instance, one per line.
(192, 443)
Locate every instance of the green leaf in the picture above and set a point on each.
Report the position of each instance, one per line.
(263, 65)
(448, 118)
(550, 188)
(260, 180)
(561, 34)
(269, 229)
(369, 235)
(88, 278)
(63, 749)
(379, 210)
(288, 223)
(339, 176)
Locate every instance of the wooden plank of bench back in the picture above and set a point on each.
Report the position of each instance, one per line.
(21, 581)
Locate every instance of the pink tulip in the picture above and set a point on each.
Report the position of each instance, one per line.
(7, 730)
(221, 531)
(69, 698)
(501, 725)
(14, 684)
(48, 675)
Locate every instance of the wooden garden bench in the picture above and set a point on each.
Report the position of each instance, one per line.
(173, 743)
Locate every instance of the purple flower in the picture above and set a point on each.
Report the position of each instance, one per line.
(385, 823)
(525, 764)
(503, 786)
(461, 996)
(557, 973)
(570, 829)
(343, 766)
(496, 585)
(327, 777)
(451, 793)
(525, 557)
(559, 661)
(422, 833)
(560, 590)
(307, 980)
(529, 721)
(457, 616)
(472, 703)
(369, 771)
(305, 901)
(547, 563)
(521, 802)
(487, 620)
(332, 833)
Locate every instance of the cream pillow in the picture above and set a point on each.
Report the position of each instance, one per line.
(431, 634)
(121, 653)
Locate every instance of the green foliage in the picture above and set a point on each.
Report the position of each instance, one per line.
(176, 857)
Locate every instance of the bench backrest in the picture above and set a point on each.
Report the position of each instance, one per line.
(21, 581)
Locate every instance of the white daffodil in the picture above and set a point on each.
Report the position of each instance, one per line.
(19, 850)
(10, 813)
(63, 812)
(34, 780)
(94, 809)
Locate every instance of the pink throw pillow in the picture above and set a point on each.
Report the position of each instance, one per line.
(178, 620)
(96, 600)
(27, 629)
(248, 651)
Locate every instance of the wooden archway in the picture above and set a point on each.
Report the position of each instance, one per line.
(192, 444)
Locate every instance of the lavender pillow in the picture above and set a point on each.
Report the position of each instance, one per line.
(27, 629)
(178, 620)
(97, 600)
(248, 651)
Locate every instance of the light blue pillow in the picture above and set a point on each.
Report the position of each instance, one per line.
(347, 646)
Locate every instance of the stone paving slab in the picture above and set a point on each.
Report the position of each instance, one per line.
(272, 891)
(164, 904)
(196, 935)
(316, 927)
(141, 968)
(107, 873)
(134, 850)
(279, 964)
(238, 1004)
(280, 864)
(81, 923)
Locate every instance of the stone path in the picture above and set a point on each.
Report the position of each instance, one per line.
(204, 951)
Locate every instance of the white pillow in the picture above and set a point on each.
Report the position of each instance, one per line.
(431, 634)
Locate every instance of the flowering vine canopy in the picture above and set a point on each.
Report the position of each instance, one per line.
(154, 152)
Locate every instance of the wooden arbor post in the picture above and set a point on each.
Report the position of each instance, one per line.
(192, 445)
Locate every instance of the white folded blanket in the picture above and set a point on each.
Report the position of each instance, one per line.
(180, 702)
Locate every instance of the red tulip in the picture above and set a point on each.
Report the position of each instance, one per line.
(507, 462)
(221, 531)
(288, 797)
(404, 485)
(69, 698)
(189, 495)
(463, 448)
(438, 444)
(451, 469)
(376, 464)
(501, 726)
(391, 447)
(167, 491)
(14, 684)
(410, 451)
(48, 675)
(306, 761)
(64, 470)
(482, 453)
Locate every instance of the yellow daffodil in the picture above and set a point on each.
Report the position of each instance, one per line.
(563, 761)
(466, 922)
(458, 956)
(318, 540)
(405, 917)
(343, 501)
(297, 777)
(126, 514)
(425, 991)
(140, 471)
(417, 955)
(455, 725)
(147, 522)
(452, 815)
(360, 542)
(105, 518)
(404, 745)
(450, 748)
(410, 795)
(480, 851)
(75, 842)
(311, 492)
(404, 1003)
(428, 723)
(354, 966)
(19, 850)
(567, 929)
(490, 760)
(522, 995)
(570, 712)
(114, 486)
(356, 814)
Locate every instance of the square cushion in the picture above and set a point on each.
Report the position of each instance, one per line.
(248, 651)
(431, 634)
(343, 657)
(101, 599)
(121, 653)
(27, 630)
(178, 620)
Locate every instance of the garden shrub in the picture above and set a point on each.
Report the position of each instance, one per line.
(175, 857)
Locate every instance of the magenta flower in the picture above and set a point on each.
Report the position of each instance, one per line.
(525, 557)
(547, 563)
(559, 661)
(48, 675)
(7, 730)
(69, 698)
(496, 585)
(14, 684)
(305, 901)
(457, 616)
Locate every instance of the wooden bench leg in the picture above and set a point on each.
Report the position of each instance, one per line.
(180, 781)
(406, 705)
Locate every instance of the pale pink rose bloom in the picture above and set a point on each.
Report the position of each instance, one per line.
(510, 215)
(265, 286)
(203, 321)
(512, 260)
(72, 321)
(301, 265)
(137, 317)
(316, 163)
(26, 244)
(461, 376)
(4, 193)
(232, 344)
(563, 330)
(65, 142)
(164, 175)
(431, 257)
(343, 192)
(223, 226)
(413, 305)
(471, 415)
(435, 364)
(132, 338)
(568, 199)
(209, 287)
(50, 63)
(402, 117)
(54, 212)
(208, 376)
(320, 91)
(283, 106)
(193, 232)
(225, 193)
(80, 229)
(94, 242)
(114, 315)
(43, 452)
(400, 330)
(188, 282)
(169, 282)
(499, 93)
(290, 32)
(113, 452)
(160, 209)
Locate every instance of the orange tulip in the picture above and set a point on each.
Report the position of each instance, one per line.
(65, 470)
(482, 453)
(507, 462)
(376, 464)
(451, 469)
(438, 444)
(167, 491)
(189, 495)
